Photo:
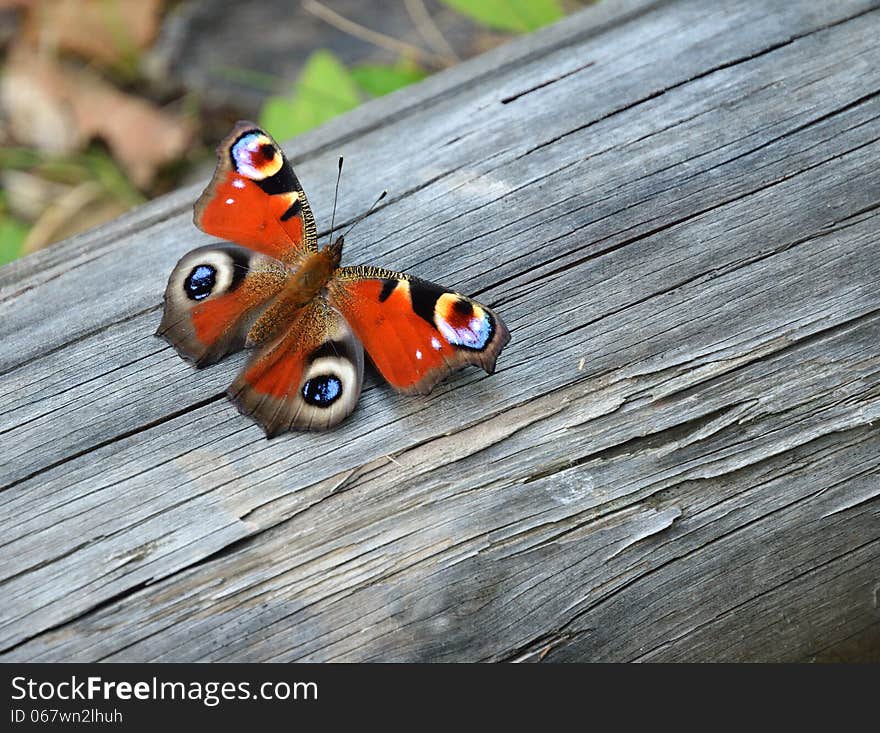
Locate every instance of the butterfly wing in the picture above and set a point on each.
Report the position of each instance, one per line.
(255, 198)
(309, 378)
(416, 332)
(213, 296)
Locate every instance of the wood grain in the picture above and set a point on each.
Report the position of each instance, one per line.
(675, 208)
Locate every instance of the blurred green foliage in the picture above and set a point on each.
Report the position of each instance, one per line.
(379, 79)
(519, 16)
(326, 88)
(94, 164)
(12, 234)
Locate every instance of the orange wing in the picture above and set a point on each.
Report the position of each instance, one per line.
(414, 331)
(255, 199)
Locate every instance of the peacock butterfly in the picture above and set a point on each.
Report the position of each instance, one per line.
(307, 319)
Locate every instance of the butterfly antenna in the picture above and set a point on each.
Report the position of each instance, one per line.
(335, 198)
(364, 215)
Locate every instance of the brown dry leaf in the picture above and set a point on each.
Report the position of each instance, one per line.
(141, 136)
(33, 95)
(57, 109)
(107, 31)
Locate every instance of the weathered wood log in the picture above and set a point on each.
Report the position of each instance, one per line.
(674, 205)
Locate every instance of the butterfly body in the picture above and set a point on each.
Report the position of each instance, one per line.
(303, 284)
(308, 319)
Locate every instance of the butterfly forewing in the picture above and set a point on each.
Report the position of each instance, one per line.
(255, 198)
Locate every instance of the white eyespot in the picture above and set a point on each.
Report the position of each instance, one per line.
(436, 343)
(256, 157)
(418, 354)
(230, 201)
(238, 183)
(338, 381)
(473, 336)
(220, 262)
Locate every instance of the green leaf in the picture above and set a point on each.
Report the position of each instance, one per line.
(12, 236)
(378, 79)
(509, 15)
(323, 91)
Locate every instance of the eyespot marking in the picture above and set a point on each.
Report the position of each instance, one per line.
(462, 322)
(463, 307)
(268, 152)
(322, 391)
(251, 156)
(200, 282)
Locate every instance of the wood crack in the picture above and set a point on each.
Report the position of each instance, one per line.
(715, 69)
(116, 438)
(547, 83)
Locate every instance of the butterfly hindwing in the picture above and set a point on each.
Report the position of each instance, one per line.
(212, 298)
(416, 332)
(255, 198)
(309, 378)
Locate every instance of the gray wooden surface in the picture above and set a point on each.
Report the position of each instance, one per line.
(674, 205)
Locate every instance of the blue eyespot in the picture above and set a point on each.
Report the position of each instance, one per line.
(200, 282)
(322, 391)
